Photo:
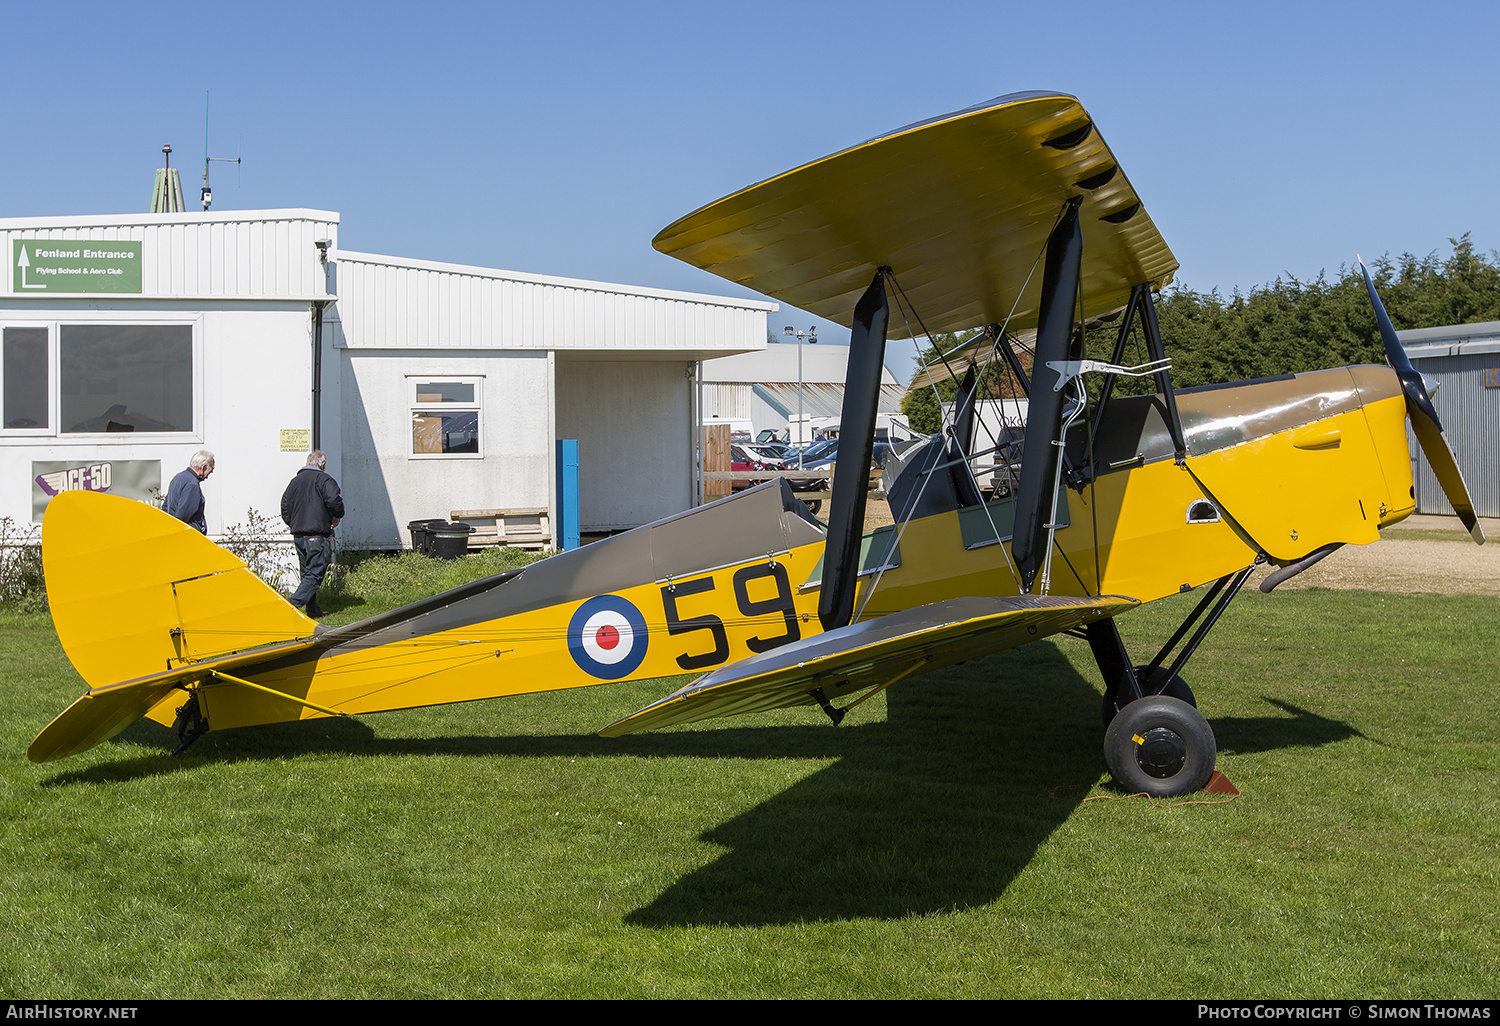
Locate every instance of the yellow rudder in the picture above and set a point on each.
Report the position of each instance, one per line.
(135, 592)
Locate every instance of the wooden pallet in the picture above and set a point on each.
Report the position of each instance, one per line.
(523, 528)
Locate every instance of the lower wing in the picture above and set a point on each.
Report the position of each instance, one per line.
(871, 654)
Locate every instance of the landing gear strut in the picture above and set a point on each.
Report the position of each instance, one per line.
(190, 724)
(1157, 683)
(1155, 739)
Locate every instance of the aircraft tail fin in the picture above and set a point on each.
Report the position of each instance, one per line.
(136, 593)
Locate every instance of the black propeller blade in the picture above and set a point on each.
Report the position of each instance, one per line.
(1424, 419)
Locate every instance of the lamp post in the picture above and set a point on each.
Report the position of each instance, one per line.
(811, 335)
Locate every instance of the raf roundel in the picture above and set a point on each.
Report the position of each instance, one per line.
(607, 637)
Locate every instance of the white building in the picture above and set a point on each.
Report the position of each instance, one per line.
(132, 341)
(762, 387)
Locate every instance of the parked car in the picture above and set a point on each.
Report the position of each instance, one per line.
(757, 457)
(820, 450)
(878, 456)
(741, 457)
(765, 452)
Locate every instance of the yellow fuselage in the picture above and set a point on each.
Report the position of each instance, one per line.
(1140, 531)
(147, 607)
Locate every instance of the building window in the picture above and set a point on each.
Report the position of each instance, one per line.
(125, 377)
(24, 358)
(98, 378)
(445, 416)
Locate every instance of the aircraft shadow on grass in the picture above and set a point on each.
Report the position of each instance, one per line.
(1300, 728)
(936, 807)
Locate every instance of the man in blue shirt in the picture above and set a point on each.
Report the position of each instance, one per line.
(185, 494)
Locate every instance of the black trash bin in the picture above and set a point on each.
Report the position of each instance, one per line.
(450, 541)
(421, 534)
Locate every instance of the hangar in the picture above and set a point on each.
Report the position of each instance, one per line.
(1464, 359)
(131, 341)
(775, 385)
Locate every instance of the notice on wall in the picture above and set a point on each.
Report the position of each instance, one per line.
(296, 440)
(39, 266)
(134, 479)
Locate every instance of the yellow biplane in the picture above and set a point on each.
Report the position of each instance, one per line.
(1012, 215)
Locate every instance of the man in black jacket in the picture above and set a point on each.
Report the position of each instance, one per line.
(312, 508)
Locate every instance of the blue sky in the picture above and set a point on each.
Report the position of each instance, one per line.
(1265, 139)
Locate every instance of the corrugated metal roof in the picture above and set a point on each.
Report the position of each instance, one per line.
(1468, 347)
(1476, 339)
(1450, 332)
(820, 400)
(787, 362)
(241, 254)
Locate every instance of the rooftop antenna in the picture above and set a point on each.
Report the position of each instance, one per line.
(208, 193)
(166, 193)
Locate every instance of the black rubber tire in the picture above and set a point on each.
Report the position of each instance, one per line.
(1176, 688)
(813, 505)
(1161, 746)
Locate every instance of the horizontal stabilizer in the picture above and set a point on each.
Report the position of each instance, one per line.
(870, 654)
(95, 718)
(105, 711)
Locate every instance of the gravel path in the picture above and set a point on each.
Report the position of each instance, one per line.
(1421, 554)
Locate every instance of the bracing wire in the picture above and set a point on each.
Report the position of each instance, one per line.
(904, 304)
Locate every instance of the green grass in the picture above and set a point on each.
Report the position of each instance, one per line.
(366, 582)
(938, 844)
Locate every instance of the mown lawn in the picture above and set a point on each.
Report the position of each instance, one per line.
(937, 844)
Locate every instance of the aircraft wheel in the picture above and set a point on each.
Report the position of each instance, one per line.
(1176, 688)
(1160, 745)
(813, 505)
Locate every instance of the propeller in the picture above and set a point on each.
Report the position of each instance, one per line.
(1424, 419)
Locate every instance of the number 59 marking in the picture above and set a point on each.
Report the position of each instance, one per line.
(781, 603)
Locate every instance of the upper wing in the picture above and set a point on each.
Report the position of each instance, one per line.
(958, 207)
(871, 653)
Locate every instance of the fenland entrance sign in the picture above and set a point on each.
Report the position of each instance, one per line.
(71, 265)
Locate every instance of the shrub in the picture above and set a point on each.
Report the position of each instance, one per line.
(257, 541)
(21, 581)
